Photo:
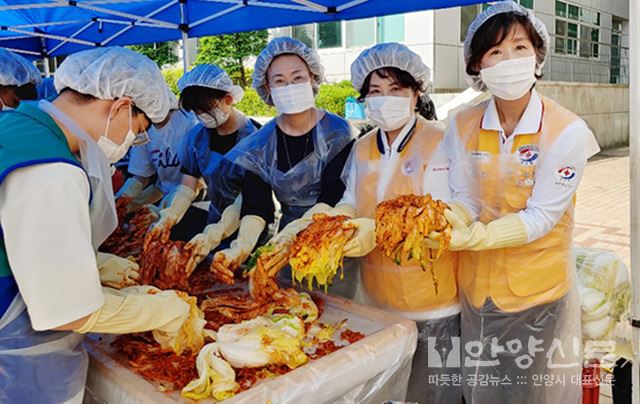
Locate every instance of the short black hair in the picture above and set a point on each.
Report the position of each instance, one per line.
(27, 92)
(81, 99)
(200, 99)
(426, 108)
(399, 77)
(494, 31)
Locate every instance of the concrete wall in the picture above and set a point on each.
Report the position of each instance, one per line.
(605, 108)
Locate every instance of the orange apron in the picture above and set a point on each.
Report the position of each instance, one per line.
(404, 287)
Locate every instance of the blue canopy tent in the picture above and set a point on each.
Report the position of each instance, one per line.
(41, 28)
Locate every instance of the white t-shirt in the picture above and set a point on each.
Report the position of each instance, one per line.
(161, 155)
(44, 213)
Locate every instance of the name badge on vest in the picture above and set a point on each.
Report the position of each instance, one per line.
(481, 157)
(528, 154)
(407, 168)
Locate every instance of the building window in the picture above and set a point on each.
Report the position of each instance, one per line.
(391, 28)
(329, 34)
(616, 50)
(577, 31)
(305, 34)
(469, 13)
(361, 32)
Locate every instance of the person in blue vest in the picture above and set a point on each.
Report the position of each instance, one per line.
(18, 80)
(56, 208)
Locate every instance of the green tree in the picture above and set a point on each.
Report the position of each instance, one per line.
(163, 53)
(230, 51)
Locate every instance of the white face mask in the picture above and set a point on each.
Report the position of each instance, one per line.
(293, 98)
(214, 119)
(389, 113)
(111, 149)
(511, 79)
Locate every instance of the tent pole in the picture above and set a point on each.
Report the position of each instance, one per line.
(186, 56)
(634, 146)
(45, 62)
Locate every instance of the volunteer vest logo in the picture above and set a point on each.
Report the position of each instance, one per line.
(566, 175)
(407, 168)
(528, 154)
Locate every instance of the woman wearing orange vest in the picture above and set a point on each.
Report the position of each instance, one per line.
(516, 162)
(405, 155)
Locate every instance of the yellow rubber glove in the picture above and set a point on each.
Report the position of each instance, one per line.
(364, 240)
(281, 242)
(461, 211)
(182, 198)
(508, 231)
(134, 309)
(117, 272)
(226, 262)
(202, 244)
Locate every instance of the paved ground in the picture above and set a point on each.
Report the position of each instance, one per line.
(602, 210)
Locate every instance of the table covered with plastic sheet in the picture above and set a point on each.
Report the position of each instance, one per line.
(371, 370)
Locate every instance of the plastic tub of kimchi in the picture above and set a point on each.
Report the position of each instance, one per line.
(328, 350)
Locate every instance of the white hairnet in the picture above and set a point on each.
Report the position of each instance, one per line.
(16, 70)
(113, 72)
(389, 55)
(503, 7)
(211, 76)
(283, 46)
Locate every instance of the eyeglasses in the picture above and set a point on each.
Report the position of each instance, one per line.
(142, 138)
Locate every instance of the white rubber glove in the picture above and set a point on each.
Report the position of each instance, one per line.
(134, 309)
(182, 198)
(364, 240)
(203, 243)
(117, 272)
(226, 262)
(131, 189)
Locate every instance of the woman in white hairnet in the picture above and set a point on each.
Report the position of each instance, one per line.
(403, 155)
(208, 91)
(19, 79)
(299, 155)
(56, 208)
(516, 162)
(160, 159)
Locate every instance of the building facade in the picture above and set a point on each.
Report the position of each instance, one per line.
(589, 40)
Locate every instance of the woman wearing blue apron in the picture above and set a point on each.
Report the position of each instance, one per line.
(298, 156)
(56, 208)
(208, 91)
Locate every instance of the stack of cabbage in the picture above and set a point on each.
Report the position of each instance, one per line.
(605, 292)
(276, 339)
